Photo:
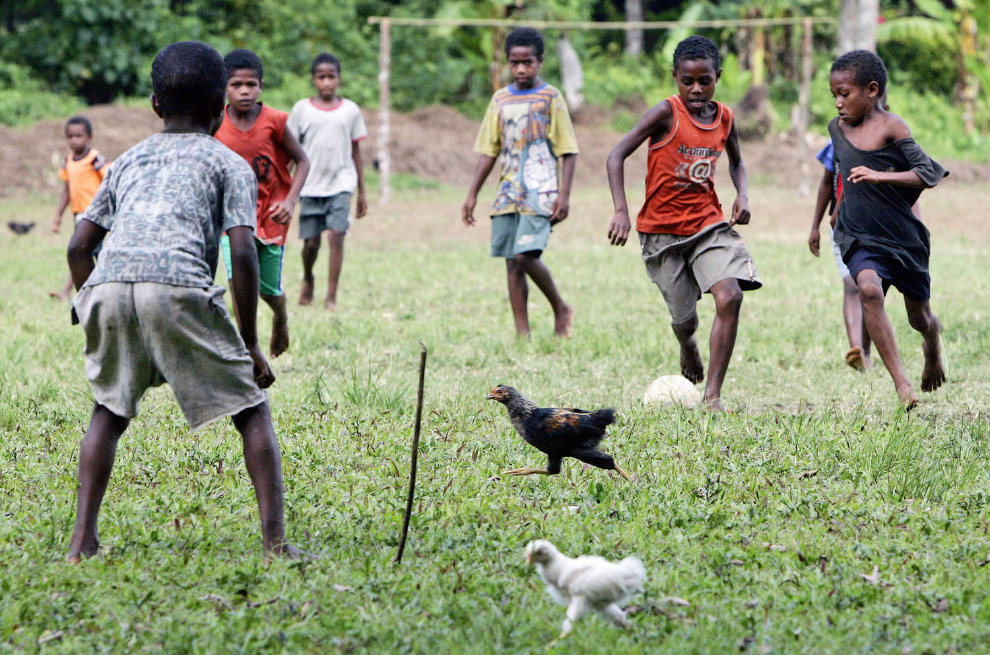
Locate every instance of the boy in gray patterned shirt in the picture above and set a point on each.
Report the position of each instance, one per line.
(149, 308)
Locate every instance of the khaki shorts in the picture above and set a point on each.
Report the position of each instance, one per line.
(141, 334)
(685, 266)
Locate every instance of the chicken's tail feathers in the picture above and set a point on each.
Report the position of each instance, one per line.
(603, 417)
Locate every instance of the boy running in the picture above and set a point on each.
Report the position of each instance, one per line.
(330, 129)
(82, 172)
(149, 308)
(882, 241)
(829, 191)
(528, 129)
(257, 133)
(687, 244)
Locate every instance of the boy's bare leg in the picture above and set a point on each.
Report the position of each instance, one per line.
(264, 464)
(728, 300)
(311, 248)
(858, 355)
(280, 324)
(691, 365)
(336, 241)
(65, 293)
(921, 318)
(563, 314)
(96, 455)
(518, 295)
(882, 332)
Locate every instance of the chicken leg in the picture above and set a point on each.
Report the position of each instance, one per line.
(527, 471)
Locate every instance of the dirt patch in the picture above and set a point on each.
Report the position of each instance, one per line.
(433, 142)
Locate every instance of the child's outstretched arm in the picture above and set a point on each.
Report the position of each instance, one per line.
(481, 171)
(244, 285)
(562, 206)
(737, 171)
(362, 200)
(656, 122)
(917, 159)
(84, 240)
(63, 202)
(821, 203)
(281, 211)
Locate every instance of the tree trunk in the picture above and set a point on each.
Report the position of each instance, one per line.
(571, 73)
(634, 38)
(858, 25)
(847, 25)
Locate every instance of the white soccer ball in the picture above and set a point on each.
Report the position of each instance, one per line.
(670, 391)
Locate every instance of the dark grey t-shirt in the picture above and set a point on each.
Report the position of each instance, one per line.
(165, 203)
(878, 217)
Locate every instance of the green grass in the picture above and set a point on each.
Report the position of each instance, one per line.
(762, 520)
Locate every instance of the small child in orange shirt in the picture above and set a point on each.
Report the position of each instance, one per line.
(82, 172)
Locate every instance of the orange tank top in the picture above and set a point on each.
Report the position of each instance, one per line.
(680, 174)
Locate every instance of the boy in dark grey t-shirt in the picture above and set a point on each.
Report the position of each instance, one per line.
(149, 308)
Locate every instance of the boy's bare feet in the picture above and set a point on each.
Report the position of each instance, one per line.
(855, 359)
(58, 295)
(306, 294)
(564, 322)
(280, 336)
(933, 375)
(907, 397)
(329, 304)
(714, 405)
(286, 550)
(88, 548)
(691, 365)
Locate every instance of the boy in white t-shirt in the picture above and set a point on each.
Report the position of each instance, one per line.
(329, 128)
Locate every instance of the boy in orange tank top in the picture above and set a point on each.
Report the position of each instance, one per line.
(688, 246)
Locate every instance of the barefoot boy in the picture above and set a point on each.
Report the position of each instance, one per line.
(330, 129)
(527, 128)
(688, 246)
(82, 172)
(257, 133)
(882, 242)
(149, 308)
(829, 190)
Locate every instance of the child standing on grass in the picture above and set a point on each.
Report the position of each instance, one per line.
(149, 308)
(882, 241)
(829, 191)
(330, 129)
(82, 171)
(528, 129)
(257, 133)
(688, 246)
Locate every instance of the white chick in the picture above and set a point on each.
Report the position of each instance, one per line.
(586, 583)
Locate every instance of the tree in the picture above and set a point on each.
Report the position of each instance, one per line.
(858, 25)
(634, 38)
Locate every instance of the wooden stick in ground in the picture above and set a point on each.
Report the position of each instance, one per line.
(415, 456)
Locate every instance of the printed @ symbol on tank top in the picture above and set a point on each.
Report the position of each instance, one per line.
(698, 171)
(262, 165)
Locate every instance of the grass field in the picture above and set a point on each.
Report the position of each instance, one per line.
(756, 527)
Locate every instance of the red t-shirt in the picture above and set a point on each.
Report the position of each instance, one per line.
(680, 174)
(261, 146)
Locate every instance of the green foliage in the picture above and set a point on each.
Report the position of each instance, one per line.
(24, 100)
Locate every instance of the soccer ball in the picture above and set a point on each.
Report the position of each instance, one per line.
(671, 390)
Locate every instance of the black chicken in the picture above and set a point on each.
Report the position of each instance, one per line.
(558, 432)
(20, 228)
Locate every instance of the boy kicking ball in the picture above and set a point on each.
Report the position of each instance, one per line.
(149, 308)
(882, 241)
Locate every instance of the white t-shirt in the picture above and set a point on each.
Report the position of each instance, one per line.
(328, 136)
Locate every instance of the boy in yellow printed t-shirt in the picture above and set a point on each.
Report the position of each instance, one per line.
(82, 172)
(527, 129)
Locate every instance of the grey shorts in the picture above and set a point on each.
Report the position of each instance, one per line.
(513, 234)
(685, 266)
(843, 269)
(141, 334)
(324, 213)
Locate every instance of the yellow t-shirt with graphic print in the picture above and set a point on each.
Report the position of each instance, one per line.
(527, 130)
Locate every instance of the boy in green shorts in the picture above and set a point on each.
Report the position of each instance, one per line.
(527, 128)
(257, 133)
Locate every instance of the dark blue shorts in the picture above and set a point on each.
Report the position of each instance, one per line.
(915, 285)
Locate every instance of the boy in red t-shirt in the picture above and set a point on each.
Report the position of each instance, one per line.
(257, 133)
(82, 171)
(688, 246)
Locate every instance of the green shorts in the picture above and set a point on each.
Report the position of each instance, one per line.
(514, 234)
(269, 265)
